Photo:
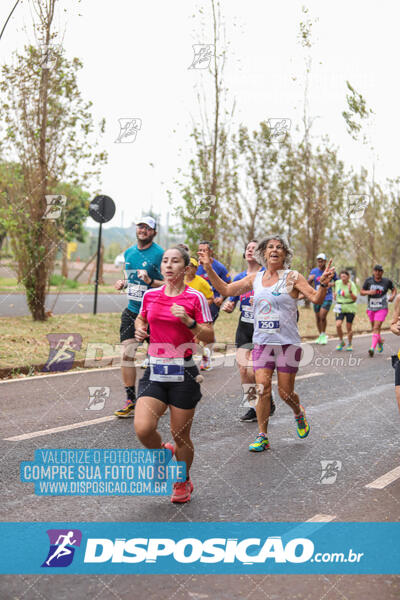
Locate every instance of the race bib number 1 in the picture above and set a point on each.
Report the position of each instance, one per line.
(269, 324)
(166, 369)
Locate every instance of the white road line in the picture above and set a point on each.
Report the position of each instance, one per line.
(321, 519)
(33, 434)
(308, 375)
(385, 480)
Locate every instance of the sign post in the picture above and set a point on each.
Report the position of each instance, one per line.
(102, 210)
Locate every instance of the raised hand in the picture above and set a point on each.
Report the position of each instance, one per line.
(328, 274)
(204, 257)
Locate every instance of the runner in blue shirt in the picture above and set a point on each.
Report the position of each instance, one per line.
(142, 271)
(222, 272)
(321, 310)
(244, 336)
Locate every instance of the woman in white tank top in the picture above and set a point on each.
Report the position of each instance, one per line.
(276, 338)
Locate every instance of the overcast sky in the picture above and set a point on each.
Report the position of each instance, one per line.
(136, 57)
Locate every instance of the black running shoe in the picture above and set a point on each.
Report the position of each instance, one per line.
(273, 405)
(250, 416)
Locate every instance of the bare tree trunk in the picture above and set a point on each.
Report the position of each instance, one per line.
(64, 261)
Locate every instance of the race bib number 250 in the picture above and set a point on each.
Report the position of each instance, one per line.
(269, 324)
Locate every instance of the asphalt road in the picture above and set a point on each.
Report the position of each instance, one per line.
(14, 305)
(354, 419)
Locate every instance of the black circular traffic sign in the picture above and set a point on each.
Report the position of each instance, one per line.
(102, 209)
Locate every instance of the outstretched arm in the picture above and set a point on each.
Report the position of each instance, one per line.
(226, 289)
(395, 324)
(315, 296)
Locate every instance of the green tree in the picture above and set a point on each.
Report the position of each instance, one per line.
(48, 128)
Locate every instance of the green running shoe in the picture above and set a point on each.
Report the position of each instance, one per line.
(380, 347)
(324, 339)
(303, 428)
(349, 348)
(340, 345)
(260, 443)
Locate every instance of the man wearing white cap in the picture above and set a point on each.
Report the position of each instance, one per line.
(142, 271)
(321, 310)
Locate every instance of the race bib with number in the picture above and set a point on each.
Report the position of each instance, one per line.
(248, 314)
(375, 303)
(337, 308)
(166, 369)
(136, 291)
(269, 323)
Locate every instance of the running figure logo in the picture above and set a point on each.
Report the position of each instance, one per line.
(329, 470)
(251, 394)
(357, 203)
(55, 204)
(62, 351)
(203, 208)
(279, 129)
(285, 287)
(97, 397)
(202, 56)
(49, 55)
(128, 129)
(62, 547)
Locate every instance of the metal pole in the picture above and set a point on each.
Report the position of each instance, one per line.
(96, 283)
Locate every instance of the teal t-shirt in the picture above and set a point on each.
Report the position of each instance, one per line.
(135, 259)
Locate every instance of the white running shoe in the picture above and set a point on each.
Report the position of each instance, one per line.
(206, 360)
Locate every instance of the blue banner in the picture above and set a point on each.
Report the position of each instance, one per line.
(202, 548)
(102, 472)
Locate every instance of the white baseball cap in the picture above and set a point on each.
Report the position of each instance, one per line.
(147, 221)
(322, 255)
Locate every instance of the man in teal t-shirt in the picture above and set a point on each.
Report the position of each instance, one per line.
(142, 271)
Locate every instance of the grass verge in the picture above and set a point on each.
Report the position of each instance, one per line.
(23, 342)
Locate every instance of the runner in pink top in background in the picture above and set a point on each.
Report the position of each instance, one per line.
(178, 317)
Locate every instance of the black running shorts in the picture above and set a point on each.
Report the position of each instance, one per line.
(244, 335)
(127, 328)
(397, 373)
(182, 394)
(348, 316)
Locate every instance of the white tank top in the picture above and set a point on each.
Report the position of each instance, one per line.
(275, 313)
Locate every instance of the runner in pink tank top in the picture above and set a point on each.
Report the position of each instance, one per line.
(178, 316)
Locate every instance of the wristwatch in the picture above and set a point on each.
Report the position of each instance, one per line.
(324, 285)
(193, 324)
(151, 282)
